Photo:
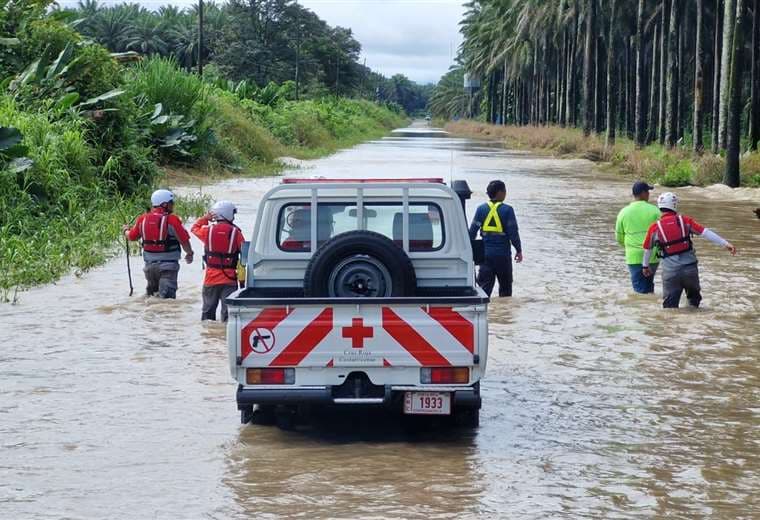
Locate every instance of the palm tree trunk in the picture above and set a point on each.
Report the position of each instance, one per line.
(754, 125)
(561, 114)
(631, 75)
(664, 59)
(671, 113)
(504, 92)
(640, 127)
(653, 92)
(733, 139)
(681, 71)
(624, 77)
(698, 82)
(572, 89)
(716, 76)
(611, 80)
(729, 19)
(588, 68)
(601, 74)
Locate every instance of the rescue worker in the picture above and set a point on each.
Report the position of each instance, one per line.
(672, 234)
(299, 230)
(497, 224)
(162, 235)
(222, 242)
(631, 227)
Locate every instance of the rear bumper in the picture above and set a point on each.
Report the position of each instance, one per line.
(463, 398)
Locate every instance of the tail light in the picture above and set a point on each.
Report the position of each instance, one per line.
(270, 376)
(445, 375)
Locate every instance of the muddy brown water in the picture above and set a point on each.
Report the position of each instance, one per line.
(597, 403)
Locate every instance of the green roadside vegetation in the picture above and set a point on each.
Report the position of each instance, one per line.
(85, 135)
(674, 167)
(680, 79)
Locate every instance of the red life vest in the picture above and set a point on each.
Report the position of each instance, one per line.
(674, 236)
(220, 249)
(154, 231)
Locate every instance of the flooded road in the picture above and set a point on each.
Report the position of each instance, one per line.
(597, 403)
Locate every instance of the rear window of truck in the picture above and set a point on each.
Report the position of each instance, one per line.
(426, 227)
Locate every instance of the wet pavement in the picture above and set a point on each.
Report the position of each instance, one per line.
(597, 403)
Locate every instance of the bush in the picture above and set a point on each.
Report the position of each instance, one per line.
(709, 169)
(241, 140)
(97, 71)
(678, 174)
(62, 158)
(183, 98)
(46, 34)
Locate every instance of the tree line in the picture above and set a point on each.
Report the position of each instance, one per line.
(677, 72)
(260, 41)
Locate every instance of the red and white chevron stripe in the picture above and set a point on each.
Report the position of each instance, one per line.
(338, 336)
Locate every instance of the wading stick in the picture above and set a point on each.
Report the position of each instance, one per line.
(129, 268)
(126, 250)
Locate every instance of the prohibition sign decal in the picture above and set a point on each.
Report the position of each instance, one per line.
(262, 340)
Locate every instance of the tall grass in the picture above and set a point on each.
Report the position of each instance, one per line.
(159, 80)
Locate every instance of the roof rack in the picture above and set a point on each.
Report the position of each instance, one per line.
(292, 180)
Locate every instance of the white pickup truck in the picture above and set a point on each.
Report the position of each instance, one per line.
(360, 293)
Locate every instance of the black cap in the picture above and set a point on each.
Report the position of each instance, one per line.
(640, 187)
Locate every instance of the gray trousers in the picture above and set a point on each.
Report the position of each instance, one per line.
(162, 278)
(212, 296)
(675, 281)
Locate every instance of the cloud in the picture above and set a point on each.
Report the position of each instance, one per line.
(412, 37)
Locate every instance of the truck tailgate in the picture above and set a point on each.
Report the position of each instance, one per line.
(356, 335)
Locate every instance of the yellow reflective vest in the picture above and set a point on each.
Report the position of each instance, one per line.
(492, 222)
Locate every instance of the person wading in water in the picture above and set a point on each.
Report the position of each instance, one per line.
(672, 234)
(497, 224)
(162, 235)
(222, 241)
(631, 227)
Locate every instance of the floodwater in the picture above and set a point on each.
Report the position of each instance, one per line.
(596, 403)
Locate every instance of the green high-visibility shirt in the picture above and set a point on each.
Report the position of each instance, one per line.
(631, 228)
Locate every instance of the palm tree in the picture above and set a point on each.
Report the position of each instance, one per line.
(754, 125)
(588, 67)
(112, 28)
(611, 80)
(729, 19)
(184, 43)
(640, 130)
(671, 105)
(698, 82)
(733, 138)
(147, 36)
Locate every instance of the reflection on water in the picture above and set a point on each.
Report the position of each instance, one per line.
(597, 402)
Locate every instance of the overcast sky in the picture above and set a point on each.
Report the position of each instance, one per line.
(411, 37)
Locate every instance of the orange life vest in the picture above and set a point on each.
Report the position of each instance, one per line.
(220, 250)
(154, 231)
(674, 236)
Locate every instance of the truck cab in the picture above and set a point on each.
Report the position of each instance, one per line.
(360, 293)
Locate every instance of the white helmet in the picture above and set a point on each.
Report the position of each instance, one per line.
(161, 197)
(667, 200)
(224, 210)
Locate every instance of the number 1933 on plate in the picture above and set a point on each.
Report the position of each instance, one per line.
(427, 403)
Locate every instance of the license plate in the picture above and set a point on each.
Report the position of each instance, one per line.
(427, 403)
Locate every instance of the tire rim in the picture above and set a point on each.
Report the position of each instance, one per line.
(360, 276)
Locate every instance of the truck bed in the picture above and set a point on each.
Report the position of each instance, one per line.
(253, 296)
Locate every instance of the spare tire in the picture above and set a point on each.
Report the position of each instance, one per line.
(359, 264)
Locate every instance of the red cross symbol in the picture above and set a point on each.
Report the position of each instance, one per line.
(357, 332)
